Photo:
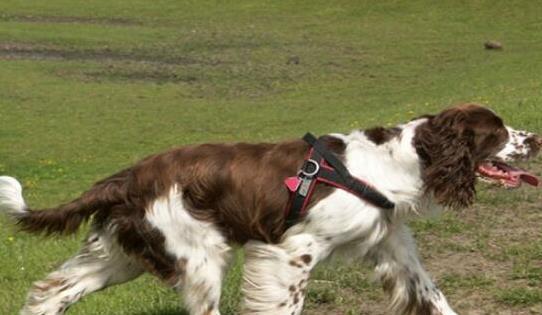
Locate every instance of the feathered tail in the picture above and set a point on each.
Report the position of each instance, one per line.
(66, 218)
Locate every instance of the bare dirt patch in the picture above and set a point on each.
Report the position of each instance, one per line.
(113, 21)
(42, 52)
(155, 76)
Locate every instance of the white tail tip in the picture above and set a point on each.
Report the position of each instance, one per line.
(11, 197)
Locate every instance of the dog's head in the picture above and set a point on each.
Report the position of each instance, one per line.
(469, 141)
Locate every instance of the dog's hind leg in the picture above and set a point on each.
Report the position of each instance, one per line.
(100, 263)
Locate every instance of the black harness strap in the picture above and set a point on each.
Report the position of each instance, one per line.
(322, 165)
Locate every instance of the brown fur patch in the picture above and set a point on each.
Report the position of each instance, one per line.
(306, 259)
(50, 283)
(295, 264)
(380, 135)
(534, 143)
(181, 265)
(413, 305)
(210, 309)
(296, 298)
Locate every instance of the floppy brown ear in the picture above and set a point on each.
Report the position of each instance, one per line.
(445, 146)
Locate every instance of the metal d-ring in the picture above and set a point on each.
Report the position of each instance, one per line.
(316, 168)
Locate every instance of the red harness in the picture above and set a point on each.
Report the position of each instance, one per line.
(322, 166)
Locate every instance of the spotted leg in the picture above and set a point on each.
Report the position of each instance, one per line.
(404, 279)
(276, 276)
(100, 263)
(201, 283)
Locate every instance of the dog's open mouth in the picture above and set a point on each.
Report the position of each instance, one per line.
(506, 175)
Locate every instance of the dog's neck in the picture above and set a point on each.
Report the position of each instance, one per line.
(393, 167)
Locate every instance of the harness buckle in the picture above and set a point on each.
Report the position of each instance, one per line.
(310, 168)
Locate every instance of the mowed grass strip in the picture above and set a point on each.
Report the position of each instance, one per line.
(88, 88)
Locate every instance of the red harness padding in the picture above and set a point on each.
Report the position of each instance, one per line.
(322, 166)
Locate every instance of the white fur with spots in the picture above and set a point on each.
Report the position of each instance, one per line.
(518, 146)
(100, 263)
(198, 246)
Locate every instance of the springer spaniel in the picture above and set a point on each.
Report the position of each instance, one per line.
(175, 214)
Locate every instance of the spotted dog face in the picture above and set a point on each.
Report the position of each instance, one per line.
(521, 146)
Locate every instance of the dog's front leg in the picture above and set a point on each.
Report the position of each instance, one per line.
(404, 279)
(276, 276)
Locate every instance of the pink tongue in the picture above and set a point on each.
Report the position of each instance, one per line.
(529, 179)
(522, 174)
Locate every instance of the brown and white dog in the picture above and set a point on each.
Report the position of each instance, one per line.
(175, 214)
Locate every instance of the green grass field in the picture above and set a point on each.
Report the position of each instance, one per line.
(88, 87)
